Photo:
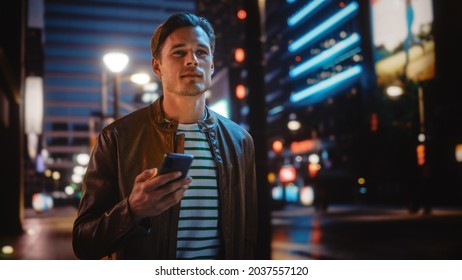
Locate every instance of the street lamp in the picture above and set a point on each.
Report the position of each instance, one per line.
(140, 78)
(116, 63)
(396, 90)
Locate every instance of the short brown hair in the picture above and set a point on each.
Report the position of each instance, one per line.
(177, 21)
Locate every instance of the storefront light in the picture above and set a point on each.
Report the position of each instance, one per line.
(42, 202)
(287, 174)
(294, 125)
(56, 175)
(292, 193)
(459, 152)
(277, 193)
(277, 146)
(7, 250)
(313, 158)
(69, 190)
(271, 177)
(83, 159)
(307, 195)
(80, 170)
(48, 173)
(76, 178)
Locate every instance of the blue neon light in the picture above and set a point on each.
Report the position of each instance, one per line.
(326, 55)
(326, 84)
(276, 110)
(290, 1)
(342, 57)
(337, 19)
(305, 11)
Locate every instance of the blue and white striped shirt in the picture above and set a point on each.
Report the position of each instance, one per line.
(198, 233)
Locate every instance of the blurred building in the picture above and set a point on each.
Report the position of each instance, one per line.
(317, 79)
(335, 131)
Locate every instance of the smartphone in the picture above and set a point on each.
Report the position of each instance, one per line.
(176, 162)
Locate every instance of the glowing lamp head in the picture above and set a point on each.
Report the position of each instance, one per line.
(115, 62)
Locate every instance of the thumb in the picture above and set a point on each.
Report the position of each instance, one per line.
(147, 174)
(152, 173)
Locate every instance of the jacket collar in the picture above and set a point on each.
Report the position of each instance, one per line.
(156, 116)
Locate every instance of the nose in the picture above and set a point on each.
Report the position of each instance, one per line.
(191, 59)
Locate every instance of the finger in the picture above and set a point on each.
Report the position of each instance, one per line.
(171, 187)
(162, 180)
(172, 198)
(186, 182)
(163, 202)
(179, 185)
(146, 174)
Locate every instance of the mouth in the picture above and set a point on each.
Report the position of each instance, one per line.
(191, 75)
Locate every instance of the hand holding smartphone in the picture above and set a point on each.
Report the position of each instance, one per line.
(176, 162)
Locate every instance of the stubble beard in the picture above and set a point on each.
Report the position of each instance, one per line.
(192, 89)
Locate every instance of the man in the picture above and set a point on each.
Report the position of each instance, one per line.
(130, 212)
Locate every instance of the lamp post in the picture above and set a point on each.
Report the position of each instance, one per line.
(116, 63)
(421, 194)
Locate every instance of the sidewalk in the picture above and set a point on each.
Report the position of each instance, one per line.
(343, 232)
(47, 236)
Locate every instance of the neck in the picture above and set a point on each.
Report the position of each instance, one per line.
(183, 109)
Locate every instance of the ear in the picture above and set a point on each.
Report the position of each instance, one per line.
(155, 63)
(212, 69)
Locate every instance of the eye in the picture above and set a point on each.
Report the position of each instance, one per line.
(179, 53)
(201, 52)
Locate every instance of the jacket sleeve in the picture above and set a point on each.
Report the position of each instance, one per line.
(104, 221)
(250, 201)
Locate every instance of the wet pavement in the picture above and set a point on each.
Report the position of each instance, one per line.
(344, 232)
(47, 236)
(367, 232)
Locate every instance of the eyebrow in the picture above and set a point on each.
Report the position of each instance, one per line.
(182, 45)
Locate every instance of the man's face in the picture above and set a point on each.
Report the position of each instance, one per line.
(185, 65)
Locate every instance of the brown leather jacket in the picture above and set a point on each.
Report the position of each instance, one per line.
(137, 142)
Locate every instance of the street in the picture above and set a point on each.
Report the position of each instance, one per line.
(343, 232)
(367, 232)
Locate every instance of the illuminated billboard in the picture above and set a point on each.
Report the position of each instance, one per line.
(403, 41)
